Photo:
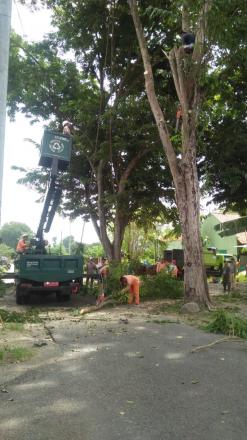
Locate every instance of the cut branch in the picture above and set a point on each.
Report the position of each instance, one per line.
(218, 341)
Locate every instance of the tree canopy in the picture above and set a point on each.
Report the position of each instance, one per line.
(12, 231)
(90, 72)
(116, 160)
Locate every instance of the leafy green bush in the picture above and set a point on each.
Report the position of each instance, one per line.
(241, 276)
(161, 286)
(115, 272)
(158, 286)
(228, 324)
(2, 284)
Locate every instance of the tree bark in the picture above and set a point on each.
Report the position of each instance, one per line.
(102, 215)
(184, 171)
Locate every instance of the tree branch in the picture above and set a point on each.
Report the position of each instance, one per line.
(201, 31)
(128, 170)
(172, 61)
(149, 83)
(185, 17)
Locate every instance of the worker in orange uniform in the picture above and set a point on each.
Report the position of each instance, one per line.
(131, 284)
(173, 269)
(22, 245)
(161, 265)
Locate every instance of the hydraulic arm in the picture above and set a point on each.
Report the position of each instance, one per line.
(55, 154)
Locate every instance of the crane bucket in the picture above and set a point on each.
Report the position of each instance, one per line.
(55, 145)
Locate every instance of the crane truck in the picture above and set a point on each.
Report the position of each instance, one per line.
(36, 271)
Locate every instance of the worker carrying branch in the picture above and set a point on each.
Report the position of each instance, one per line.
(131, 284)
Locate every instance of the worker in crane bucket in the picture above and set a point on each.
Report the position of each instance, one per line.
(67, 128)
(22, 244)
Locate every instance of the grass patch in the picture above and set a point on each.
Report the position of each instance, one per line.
(2, 289)
(14, 354)
(31, 316)
(14, 326)
(235, 297)
(171, 308)
(228, 324)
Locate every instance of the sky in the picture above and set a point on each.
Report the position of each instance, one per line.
(19, 202)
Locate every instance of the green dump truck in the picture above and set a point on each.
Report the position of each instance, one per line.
(45, 274)
(213, 261)
(37, 272)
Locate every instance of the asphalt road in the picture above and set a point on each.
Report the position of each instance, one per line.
(108, 380)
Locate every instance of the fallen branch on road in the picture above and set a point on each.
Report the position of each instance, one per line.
(218, 341)
(109, 301)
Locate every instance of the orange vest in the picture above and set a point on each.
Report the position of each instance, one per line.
(160, 266)
(133, 283)
(21, 246)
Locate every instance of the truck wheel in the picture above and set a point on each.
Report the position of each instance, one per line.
(58, 296)
(20, 298)
(18, 295)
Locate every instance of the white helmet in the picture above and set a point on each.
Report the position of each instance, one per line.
(66, 123)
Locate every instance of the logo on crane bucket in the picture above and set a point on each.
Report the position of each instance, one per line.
(56, 146)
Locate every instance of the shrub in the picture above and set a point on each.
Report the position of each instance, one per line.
(241, 276)
(2, 288)
(161, 286)
(116, 270)
(228, 324)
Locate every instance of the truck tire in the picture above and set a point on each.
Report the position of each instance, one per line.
(62, 297)
(20, 297)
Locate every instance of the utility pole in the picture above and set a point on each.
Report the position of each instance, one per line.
(5, 20)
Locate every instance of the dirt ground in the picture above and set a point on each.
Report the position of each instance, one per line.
(38, 334)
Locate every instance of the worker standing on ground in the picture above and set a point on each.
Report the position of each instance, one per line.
(103, 273)
(173, 269)
(226, 277)
(161, 265)
(131, 284)
(91, 269)
(22, 245)
(233, 273)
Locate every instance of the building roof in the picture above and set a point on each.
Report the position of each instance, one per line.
(223, 218)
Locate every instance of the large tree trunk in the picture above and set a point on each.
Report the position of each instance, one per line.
(185, 73)
(107, 245)
(118, 237)
(113, 249)
(188, 202)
